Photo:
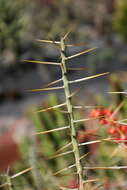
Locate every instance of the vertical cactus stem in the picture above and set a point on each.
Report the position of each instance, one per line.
(70, 114)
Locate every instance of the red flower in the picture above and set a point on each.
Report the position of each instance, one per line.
(123, 129)
(95, 113)
(107, 113)
(112, 131)
(103, 121)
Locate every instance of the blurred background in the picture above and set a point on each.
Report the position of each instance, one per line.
(100, 24)
(93, 23)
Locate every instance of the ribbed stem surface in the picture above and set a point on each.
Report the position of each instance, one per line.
(70, 114)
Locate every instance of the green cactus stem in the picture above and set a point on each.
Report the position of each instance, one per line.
(71, 114)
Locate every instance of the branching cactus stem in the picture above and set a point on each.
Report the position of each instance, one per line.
(70, 114)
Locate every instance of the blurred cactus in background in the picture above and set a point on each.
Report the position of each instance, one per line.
(52, 18)
(13, 21)
(120, 18)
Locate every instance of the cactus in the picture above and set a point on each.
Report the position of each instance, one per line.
(68, 104)
(49, 128)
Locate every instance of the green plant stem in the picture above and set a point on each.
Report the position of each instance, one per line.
(70, 114)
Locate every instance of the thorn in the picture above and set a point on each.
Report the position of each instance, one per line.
(117, 109)
(66, 35)
(64, 169)
(91, 142)
(48, 41)
(42, 62)
(99, 186)
(86, 107)
(94, 142)
(76, 69)
(61, 111)
(78, 54)
(50, 108)
(114, 152)
(75, 92)
(46, 89)
(121, 122)
(77, 45)
(90, 180)
(72, 173)
(20, 173)
(117, 92)
(62, 148)
(62, 154)
(81, 120)
(106, 168)
(52, 130)
(87, 78)
(57, 42)
(87, 119)
(54, 82)
(84, 155)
